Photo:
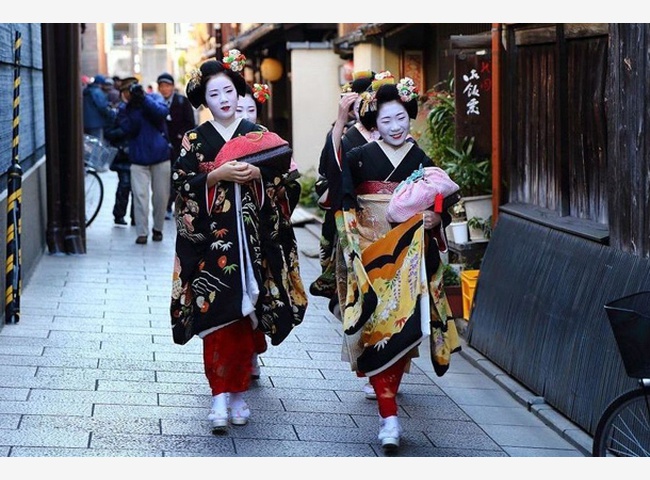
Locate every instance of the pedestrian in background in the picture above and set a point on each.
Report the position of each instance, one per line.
(398, 281)
(142, 118)
(121, 165)
(250, 105)
(347, 133)
(236, 264)
(250, 108)
(180, 120)
(97, 112)
(329, 167)
(112, 92)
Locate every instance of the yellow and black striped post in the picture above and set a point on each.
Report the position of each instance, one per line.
(14, 198)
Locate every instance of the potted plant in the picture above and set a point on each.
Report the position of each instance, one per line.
(479, 228)
(451, 281)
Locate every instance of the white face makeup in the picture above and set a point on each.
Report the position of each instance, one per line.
(246, 108)
(221, 98)
(393, 123)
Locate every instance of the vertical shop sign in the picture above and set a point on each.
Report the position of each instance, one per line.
(473, 93)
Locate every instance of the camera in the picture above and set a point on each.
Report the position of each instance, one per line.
(136, 89)
(137, 94)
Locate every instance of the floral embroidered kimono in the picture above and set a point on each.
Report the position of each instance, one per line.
(330, 167)
(236, 252)
(393, 297)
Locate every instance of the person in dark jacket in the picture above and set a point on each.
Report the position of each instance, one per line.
(180, 120)
(142, 118)
(97, 112)
(121, 164)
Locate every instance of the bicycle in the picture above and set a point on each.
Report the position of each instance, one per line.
(623, 429)
(94, 188)
(97, 158)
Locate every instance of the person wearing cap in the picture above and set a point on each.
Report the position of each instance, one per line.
(121, 165)
(397, 283)
(97, 112)
(180, 120)
(142, 117)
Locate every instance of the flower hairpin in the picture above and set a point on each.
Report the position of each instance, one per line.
(368, 102)
(347, 88)
(382, 78)
(383, 75)
(261, 92)
(194, 78)
(235, 60)
(407, 89)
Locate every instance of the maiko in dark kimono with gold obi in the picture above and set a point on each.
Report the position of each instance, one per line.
(236, 252)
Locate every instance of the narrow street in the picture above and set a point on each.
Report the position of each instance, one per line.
(91, 370)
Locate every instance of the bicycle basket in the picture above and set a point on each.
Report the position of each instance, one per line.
(629, 318)
(98, 154)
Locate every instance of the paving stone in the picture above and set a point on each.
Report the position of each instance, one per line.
(92, 371)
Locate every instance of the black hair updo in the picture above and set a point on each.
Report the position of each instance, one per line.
(384, 94)
(195, 89)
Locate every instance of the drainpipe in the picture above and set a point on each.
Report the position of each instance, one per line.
(497, 51)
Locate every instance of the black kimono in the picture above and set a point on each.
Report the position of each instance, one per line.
(236, 252)
(330, 168)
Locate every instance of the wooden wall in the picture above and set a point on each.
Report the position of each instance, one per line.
(574, 232)
(628, 179)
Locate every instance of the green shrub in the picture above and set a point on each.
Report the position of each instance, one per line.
(449, 276)
(308, 197)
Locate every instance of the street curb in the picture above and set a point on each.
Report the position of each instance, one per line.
(533, 403)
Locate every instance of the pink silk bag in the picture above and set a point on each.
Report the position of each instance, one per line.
(425, 188)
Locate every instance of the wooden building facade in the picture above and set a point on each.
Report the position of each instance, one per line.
(573, 230)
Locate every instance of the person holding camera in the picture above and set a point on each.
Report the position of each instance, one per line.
(142, 117)
(121, 165)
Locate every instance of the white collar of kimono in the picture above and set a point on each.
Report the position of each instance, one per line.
(226, 131)
(395, 155)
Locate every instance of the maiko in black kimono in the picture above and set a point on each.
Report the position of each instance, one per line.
(236, 252)
(395, 297)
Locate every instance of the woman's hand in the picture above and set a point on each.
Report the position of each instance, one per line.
(431, 219)
(234, 171)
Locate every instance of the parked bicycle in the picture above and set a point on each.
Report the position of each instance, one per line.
(94, 188)
(97, 158)
(624, 427)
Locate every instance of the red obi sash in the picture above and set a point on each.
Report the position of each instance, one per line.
(376, 186)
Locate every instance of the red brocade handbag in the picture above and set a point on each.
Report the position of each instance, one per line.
(262, 149)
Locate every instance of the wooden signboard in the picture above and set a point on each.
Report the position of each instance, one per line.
(473, 93)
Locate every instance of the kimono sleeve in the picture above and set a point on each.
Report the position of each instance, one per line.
(188, 182)
(349, 179)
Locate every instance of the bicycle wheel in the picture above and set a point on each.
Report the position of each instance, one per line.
(624, 427)
(94, 188)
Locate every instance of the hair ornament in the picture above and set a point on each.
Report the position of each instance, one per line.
(194, 78)
(382, 78)
(357, 75)
(346, 88)
(235, 60)
(407, 89)
(261, 92)
(368, 102)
